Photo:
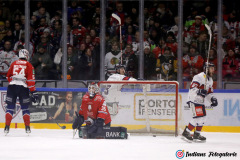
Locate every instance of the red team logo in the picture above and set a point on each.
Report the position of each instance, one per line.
(180, 154)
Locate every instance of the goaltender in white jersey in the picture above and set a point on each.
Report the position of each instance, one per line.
(201, 88)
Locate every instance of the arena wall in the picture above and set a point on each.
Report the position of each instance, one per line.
(128, 111)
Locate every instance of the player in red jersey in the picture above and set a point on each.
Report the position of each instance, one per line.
(93, 111)
(21, 80)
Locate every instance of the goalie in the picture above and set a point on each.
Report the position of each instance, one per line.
(93, 111)
(95, 114)
(196, 97)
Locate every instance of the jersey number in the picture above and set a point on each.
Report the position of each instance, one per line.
(17, 70)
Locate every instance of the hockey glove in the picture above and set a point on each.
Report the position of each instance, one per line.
(78, 121)
(202, 92)
(34, 97)
(97, 127)
(214, 102)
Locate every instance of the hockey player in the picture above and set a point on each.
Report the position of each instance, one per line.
(120, 74)
(93, 111)
(21, 79)
(201, 88)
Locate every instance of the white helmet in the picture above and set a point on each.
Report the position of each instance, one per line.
(23, 53)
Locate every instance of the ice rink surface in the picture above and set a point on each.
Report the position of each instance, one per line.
(45, 144)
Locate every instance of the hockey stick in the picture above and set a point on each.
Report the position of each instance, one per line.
(120, 24)
(62, 127)
(209, 45)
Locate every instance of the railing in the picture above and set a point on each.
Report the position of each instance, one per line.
(55, 83)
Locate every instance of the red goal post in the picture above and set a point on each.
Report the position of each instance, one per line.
(143, 106)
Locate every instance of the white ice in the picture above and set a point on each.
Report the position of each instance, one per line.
(43, 144)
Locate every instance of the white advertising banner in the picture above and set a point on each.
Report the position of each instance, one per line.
(130, 109)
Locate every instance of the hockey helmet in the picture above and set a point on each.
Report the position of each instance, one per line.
(118, 67)
(23, 53)
(93, 89)
(207, 66)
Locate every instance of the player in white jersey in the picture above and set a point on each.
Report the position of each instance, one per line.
(120, 75)
(113, 91)
(201, 89)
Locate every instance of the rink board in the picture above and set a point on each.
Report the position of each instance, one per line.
(223, 118)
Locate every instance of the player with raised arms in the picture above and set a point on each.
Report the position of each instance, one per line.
(201, 89)
(21, 78)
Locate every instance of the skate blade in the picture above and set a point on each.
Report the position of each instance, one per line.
(6, 133)
(186, 140)
(74, 132)
(199, 141)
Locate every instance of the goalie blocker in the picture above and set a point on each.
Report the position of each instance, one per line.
(107, 133)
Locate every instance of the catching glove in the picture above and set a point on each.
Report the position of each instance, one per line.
(97, 127)
(214, 102)
(202, 92)
(34, 96)
(78, 121)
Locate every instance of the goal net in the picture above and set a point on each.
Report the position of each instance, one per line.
(143, 106)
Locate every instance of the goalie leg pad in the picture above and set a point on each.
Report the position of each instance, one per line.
(107, 133)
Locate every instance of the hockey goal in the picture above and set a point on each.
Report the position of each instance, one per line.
(143, 106)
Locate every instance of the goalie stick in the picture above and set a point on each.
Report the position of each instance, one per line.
(120, 24)
(62, 127)
(209, 45)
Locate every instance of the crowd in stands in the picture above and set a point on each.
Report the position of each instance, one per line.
(83, 30)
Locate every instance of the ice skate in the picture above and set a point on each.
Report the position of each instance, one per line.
(186, 136)
(6, 130)
(198, 138)
(27, 129)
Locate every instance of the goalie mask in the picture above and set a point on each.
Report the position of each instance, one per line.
(93, 90)
(24, 54)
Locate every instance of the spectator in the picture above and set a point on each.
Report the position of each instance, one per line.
(3, 32)
(231, 66)
(196, 28)
(167, 65)
(56, 18)
(192, 64)
(69, 36)
(73, 9)
(227, 39)
(8, 25)
(112, 58)
(171, 42)
(39, 31)
(201, 44)
(130, 61)
(71, 62)
(42, 13)
(7, 56)
(17, 31)
(9, 37)
(57, 34)
(86, 66)
(149, 64)
(42, 63)
(129, 35)
(159, 50)
(78, 31)
(49, 49)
